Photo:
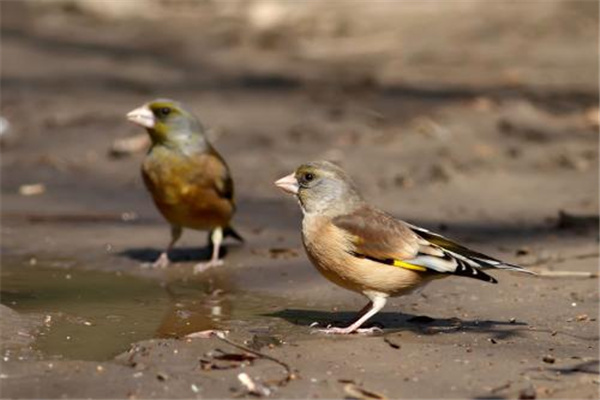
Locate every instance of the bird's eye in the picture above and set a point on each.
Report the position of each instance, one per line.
(308, 177)
(164, 111)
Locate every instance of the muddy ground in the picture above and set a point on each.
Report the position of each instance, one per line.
(485, 130)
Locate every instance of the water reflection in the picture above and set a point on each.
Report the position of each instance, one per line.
(93, 315)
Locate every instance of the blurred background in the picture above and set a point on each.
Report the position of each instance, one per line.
(406, 95)
(476, 118)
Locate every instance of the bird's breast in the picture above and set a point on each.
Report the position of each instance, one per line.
(184, 190)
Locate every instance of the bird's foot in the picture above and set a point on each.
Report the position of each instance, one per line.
(161, 262)
(203, 266)
(332, 330)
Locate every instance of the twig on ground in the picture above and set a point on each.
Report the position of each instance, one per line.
(559, 259)
(566, 274)
(354, 391)
(290, 375)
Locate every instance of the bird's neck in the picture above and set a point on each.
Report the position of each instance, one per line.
(332, 208)
(184, 142)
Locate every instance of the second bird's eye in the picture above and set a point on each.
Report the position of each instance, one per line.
(308, 177)
(164, 111)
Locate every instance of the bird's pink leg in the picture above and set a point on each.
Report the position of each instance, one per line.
(374, 306)
(163, 260)
(217, 238)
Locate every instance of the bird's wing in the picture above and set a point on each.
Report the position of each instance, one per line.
(380, 237)
(377, 235)
(212, 171)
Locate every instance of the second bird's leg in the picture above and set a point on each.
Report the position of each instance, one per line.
(216, 238)
(163, 260)
(374, 306)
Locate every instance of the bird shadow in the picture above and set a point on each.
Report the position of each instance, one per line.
(180, 254)
(583, 367)
(397, 322)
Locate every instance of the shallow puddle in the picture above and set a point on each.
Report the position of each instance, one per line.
(93, 315)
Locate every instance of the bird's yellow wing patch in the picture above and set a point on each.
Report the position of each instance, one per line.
(404, 264)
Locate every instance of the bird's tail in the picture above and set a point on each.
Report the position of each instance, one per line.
(474, 258)
(508, 266)
(229, 231)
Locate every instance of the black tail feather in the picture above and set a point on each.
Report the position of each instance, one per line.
(229, 231)
(464, 269)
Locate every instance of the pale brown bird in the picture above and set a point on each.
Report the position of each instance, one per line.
(366, 250)
(189, 181)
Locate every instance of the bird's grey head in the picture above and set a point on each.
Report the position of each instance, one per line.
(322, 187)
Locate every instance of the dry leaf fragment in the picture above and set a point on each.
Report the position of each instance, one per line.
(32, 189)
(391, 342)
(252, 386)
(206, 334)
(236, 357)
(208, 365)
(354, 391)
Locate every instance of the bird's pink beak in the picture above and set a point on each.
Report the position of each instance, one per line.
(142, 116)
(288, 184)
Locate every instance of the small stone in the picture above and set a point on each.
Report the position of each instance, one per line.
(33, 189)
(403, 180)
(549, 359)
(442, 172)
(527, 394)
(162, 376)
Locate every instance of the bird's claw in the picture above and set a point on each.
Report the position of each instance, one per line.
(203, 266)
(369, 331)
(332, 330)
(161, 262)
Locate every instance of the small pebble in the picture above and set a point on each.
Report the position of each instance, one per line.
(33, 189)
(527, 394)
(549, 359)
(162, 376)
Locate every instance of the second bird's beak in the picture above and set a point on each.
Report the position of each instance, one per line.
(288, 184)
(142, 116)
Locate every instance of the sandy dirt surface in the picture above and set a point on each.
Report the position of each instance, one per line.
(484, 130)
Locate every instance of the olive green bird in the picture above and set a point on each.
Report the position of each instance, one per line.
(189, 181)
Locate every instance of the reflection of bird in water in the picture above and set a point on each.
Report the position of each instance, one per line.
(192, 310)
